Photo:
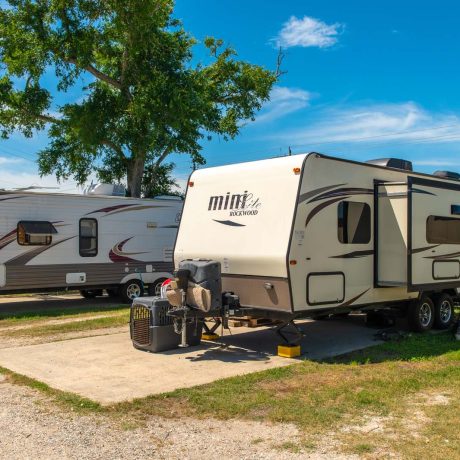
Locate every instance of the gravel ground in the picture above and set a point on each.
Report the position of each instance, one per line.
(33, 427)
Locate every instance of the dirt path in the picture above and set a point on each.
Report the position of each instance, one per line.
(30, 427)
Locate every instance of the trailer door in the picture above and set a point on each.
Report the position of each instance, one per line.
(391, 234)
(434, 234)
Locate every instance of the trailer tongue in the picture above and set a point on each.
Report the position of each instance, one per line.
(195, 294)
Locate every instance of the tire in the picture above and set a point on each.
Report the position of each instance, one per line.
(155, 288)
(131, 290)
(113, 293)
(421, 314)
(443, 311)
(90, 294)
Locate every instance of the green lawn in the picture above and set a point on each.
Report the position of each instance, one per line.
(8, 319)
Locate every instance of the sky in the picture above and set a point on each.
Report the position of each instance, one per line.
(363, 80)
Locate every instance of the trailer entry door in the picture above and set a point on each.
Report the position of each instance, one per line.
(390, 263)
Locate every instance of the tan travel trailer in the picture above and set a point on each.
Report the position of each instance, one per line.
(308, 235)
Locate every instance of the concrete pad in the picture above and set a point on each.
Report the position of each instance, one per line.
(108, 369)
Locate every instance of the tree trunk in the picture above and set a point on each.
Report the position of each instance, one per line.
(135, 174)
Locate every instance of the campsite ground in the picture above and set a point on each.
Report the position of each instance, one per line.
(396, 400)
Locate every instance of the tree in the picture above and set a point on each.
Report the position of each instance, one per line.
(158, 180)
(144, 97)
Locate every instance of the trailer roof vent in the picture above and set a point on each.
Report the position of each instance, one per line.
(392, 163)
(447, 175)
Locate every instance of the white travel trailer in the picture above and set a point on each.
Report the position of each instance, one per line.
(309, 235)
(86, 242)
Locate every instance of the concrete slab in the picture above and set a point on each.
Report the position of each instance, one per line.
(109, 370)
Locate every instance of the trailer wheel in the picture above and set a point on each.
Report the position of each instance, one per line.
(421, 314)
(90, 294)
(443, 311)
(155, 288)
(131, 290)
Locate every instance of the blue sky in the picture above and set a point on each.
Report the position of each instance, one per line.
(364, 80)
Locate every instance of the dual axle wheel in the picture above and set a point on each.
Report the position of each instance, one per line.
(427, 312)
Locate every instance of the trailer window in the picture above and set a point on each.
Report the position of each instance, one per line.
(35, 233)
(442, 230)
(88, 237)
(354, 222)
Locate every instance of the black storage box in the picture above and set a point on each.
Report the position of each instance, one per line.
(152, 329)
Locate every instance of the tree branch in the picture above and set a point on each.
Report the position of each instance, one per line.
(116, 148)
(165, 153)
(97, 73)
(102, 76)
(89, 68)
(279, 62)
(48, 118)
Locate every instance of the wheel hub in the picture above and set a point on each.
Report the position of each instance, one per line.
(425, 314)
(133, 291)
(445, 311)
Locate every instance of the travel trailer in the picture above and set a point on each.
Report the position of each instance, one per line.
(311, 235)
(51, 241)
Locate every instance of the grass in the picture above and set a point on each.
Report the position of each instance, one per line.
(7, 319)
(63, 398)
(33, 324)
(324, 398)
(68, 327)
(395, 384)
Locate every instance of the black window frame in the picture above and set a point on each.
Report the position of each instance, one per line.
(367, 209)
(50, 235)
(80, 237)
(438, 241)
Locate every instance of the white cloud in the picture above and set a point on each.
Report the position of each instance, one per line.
(283, 101)
(308, 32)
(406, 122)
(10, 161)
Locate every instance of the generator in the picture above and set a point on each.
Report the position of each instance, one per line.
(153, 329)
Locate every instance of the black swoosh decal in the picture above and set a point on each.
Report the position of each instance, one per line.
(23, 259)
(11, 198)
(415, 251)
(344, 191)
(321, 206)
(229, 222)
(452, 255)
(354, 299)
(307, 195)
(418, 190)
(354, 255)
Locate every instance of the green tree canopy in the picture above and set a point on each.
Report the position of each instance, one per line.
(144, 96)
(158, 180)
